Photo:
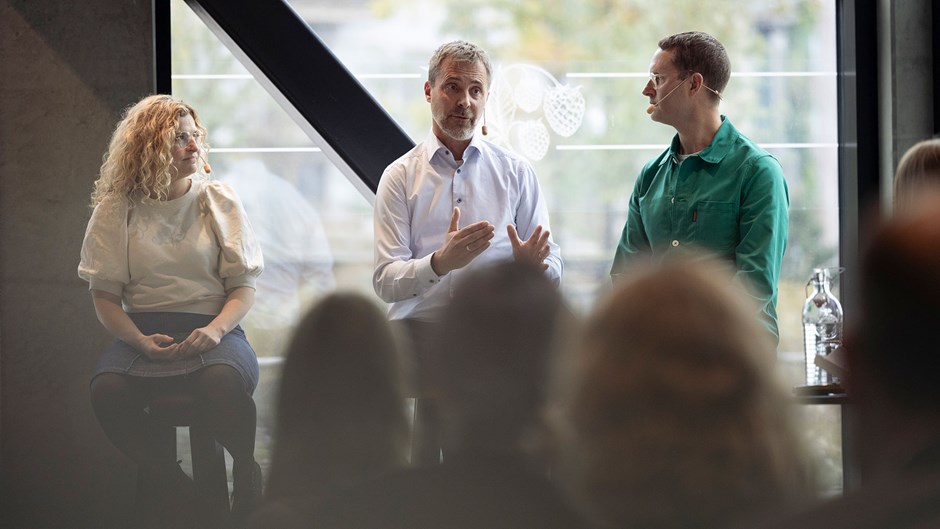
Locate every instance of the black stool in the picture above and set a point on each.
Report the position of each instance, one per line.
(209, 476)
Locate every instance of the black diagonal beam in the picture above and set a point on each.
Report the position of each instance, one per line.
(162, 48)
(314, 81)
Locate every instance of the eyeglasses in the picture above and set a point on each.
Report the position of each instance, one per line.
(657, 80)
(183, 138)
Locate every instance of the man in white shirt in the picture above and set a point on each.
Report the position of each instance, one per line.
(451, 204)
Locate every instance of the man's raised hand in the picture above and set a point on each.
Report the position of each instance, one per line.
(461, 245)
(534, 250)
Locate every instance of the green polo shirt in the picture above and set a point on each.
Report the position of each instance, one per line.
(729, 199)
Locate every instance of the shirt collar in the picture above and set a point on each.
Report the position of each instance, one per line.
(434, 145)
(715, 151)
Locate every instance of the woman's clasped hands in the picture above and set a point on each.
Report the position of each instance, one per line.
(161, 347)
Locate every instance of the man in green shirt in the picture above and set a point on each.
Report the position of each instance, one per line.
(713, 189)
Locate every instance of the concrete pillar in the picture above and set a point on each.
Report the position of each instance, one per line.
(67, 69)
(906, 81)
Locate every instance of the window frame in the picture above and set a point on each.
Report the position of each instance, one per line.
(361, 139)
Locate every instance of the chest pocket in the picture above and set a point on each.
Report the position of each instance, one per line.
(715, 226)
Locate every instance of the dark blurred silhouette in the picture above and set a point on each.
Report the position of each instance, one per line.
(340, 413)
(891, 355)
(673, 418)
(496, 339)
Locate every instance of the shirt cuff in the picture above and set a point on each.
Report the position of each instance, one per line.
(246, 280)
(111, 287)
(424, 273)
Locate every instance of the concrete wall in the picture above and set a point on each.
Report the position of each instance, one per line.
(67, 69)
(905, 80)
(912, 73)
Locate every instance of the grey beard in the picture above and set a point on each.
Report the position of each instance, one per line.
(457, 134)
(460, 134)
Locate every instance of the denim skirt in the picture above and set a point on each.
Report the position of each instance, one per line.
(234, 350)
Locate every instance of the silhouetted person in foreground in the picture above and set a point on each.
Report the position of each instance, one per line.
(496, 336)
(673, 417)
(340, 414)
(891, 355)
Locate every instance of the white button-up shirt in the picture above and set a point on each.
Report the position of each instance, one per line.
(413, 207)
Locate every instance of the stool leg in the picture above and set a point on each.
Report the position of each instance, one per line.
(149, 508)
(210, 479)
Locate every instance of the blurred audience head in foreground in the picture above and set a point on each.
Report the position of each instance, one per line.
(891, 351)
(498, 334)
(497, 338)
(917, 172)
(674, 418)
(340, 414)
(891, 354)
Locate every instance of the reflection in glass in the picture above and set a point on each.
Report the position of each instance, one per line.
(298, 263)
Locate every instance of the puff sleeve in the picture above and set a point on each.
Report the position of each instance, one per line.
(104, 250)
(240, 259)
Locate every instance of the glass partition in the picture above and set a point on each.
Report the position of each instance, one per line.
(567, 95)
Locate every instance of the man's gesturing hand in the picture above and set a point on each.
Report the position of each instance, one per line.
(534, 250)
(461, 245)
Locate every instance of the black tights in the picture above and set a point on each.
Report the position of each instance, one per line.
(119, 402)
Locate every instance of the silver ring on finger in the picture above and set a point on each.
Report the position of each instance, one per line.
(468, 248)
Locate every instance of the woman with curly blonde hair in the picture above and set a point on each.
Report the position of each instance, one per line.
(139, 161)
(171, 263)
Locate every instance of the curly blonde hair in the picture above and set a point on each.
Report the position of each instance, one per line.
(139, 161)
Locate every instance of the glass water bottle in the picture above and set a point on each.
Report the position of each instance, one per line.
(822, 326)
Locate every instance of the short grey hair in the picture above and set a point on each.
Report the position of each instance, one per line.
(460, 51)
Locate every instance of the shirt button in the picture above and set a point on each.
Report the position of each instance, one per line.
(459, 200)
(675, 243)
(673, 200)
(458, 171)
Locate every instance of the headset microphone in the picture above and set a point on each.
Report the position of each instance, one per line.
(653, 106)
(205, 164)
(484, 130)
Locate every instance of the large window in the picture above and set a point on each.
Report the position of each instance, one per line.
(566, 94)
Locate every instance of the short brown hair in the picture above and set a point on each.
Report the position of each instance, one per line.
(694, 51)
